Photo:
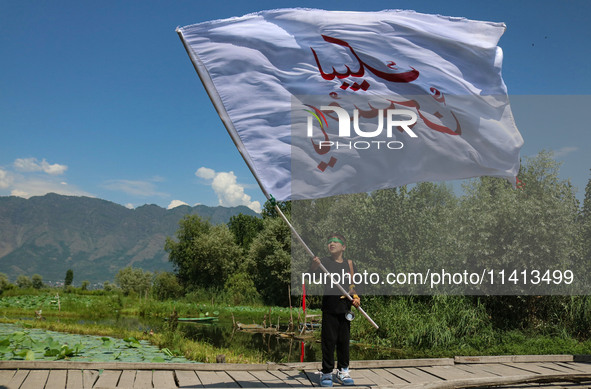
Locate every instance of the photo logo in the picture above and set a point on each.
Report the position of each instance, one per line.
(345, 122)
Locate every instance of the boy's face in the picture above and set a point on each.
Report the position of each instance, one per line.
(336, 246)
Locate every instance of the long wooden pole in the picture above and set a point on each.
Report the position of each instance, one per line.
(219, 106)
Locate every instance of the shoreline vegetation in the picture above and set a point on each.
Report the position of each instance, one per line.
(410, 326)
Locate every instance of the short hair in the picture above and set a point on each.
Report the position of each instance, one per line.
(335, 235)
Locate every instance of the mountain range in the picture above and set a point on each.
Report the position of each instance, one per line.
(50, 234)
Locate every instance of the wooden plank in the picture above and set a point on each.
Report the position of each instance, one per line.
(216, 379)
(401, 363)
(269, 379)
(313, 377)
(583, 367)
(163, 379)
(74, 379)
(70, 365)
(6, 376)
(57, 379)
(504, 370)
(361, 379)
(557, 368)
(447, 372)
(293, 378)
(127, 379)
(513, 358)
(531, 367)
(36, 379)
(108, 379)
(372, 376)
(422, 376)
(187, 379)
(143, 379)
(246, 380)
(89, 377)
(477, 370)
(404, 375)
(17, 379)
(389, 376)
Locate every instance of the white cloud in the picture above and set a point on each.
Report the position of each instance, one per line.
(27, 187)
(28, 177)
(564, 151)
(129, 206)
(229, 192)
(206, 173)
(29, 165)
(5, 179)
(176, 203)
(135, 187)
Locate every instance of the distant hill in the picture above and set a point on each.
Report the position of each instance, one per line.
(95, 238)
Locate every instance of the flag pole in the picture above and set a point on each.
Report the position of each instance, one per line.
(219, 107)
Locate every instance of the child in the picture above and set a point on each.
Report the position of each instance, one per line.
(336, 326)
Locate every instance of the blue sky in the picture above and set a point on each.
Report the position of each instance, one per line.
(100, 98)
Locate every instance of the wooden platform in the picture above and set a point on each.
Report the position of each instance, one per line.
(543, 371)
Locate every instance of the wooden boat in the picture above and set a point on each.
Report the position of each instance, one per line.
(206, 319)
(255, 328)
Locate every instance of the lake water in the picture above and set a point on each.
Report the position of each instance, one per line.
(223, 334)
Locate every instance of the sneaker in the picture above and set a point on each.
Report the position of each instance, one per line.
(344, 378)
(326, 380)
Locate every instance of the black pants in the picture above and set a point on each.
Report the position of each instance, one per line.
(336, 332)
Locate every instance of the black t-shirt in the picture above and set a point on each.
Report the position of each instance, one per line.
(333, 300)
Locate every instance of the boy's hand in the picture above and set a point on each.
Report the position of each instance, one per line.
(356, 301)
(315, 263)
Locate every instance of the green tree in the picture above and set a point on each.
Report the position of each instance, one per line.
(108, 287)
(24, 282)
(241, 289)
(4, 282)
(203, 255)
(586, 223)
(84, 285)
(69, 278)
(134, 280)
(37, 281)
(245, 228)
(269, 210)
(269, 261)
(166, 286)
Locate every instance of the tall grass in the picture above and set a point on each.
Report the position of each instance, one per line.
(466, 325)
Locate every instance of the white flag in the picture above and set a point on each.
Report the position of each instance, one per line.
(321, 103)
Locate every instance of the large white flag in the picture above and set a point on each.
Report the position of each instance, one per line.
(321, 103)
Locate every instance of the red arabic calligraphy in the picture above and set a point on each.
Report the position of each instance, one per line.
(360, 72)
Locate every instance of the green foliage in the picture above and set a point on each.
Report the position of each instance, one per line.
(586, 223)
(245, 228)
(69, 278)
(203, 254)
(108, 286)
(269, 210)
(4, 282)
(24, 282)
(84, 285)
(166, 286)
(269, 261)
(133, 280)
(241, 290)
(37, 281)
(535, 227)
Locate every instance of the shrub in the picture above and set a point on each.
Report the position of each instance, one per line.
(37, 281)
(240, 290)
(166, 286)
